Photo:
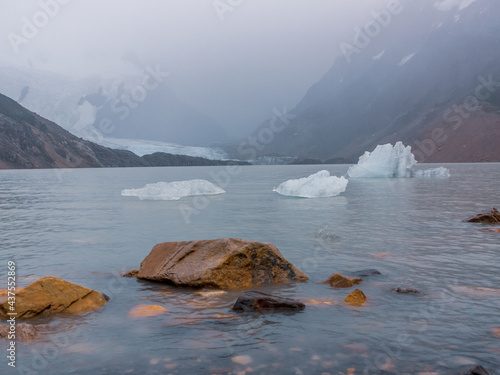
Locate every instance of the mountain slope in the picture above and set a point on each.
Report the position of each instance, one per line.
(30, 141)
(410, 79)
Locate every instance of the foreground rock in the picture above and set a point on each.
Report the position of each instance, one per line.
(356, 298)
(51, 295)
(340, 281)
(223, 263)
(256, 301)
(22, 332)
(477, 370)
(490, 217)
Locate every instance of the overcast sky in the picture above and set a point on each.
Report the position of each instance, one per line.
(235, 64)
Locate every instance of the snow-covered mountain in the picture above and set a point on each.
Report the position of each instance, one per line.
(135, 105)
(425, 72)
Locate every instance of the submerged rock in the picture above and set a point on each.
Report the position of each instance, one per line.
(356, 298)
(406, 291)
(367, 272)
(256, 301)
(340, 281)
(222, 263)
(22, 332)
(477, 370)
(131, 273)
(50, 295)
(147, 310)
(490, 217)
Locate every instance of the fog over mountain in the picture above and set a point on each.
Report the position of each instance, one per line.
(424, 72)
(229, 62)
(339, 77)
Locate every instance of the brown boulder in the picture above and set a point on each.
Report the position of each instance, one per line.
(222, 263)
(340, 281)
(21, 332)
(490, 217)
(356, 298)
(50, 295)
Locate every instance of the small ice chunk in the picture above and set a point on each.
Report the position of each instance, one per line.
(317, 185)
(440, 172)
(168, 191)
(384, 161)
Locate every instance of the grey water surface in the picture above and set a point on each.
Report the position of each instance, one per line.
(74, 224)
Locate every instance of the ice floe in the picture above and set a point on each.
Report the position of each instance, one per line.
(173, 190)
(317, 185)
(384, 161)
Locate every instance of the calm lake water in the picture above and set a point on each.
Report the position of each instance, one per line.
(75, 225)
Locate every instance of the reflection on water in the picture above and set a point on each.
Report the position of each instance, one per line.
(411, 230)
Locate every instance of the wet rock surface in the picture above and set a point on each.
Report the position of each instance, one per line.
(50, 295)
(228, 263)
(257, 301)
(490, 217)
(340, 281)
(356, 298)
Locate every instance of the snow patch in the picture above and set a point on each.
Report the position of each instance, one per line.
(379, 55)
(406, 59)
(317, 185)
(168, 191)
(384, 161)
(440, 172)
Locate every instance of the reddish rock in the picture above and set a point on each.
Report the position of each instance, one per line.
(51, 295)
(340, 281)
(228, 263)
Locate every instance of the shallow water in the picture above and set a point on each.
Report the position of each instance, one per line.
(74, 224)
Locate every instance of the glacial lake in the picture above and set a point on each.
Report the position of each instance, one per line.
(75, 225)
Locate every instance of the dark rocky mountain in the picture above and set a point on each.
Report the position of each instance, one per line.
(30, 141)
(428, 75)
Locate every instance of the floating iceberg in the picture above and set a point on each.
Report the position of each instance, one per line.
(440, 172)
(385, 161)
(318, 185)
(168, 191)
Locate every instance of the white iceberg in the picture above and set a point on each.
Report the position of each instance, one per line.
(385, 161)
(317, 185)
(168, 191)
(440, 172)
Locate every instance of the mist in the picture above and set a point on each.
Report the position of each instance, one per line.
(234, 61)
